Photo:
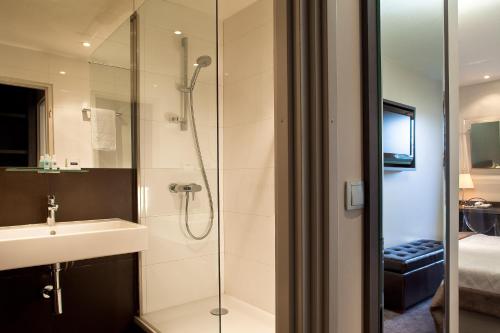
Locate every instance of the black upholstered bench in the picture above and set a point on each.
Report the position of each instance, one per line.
(412, 273)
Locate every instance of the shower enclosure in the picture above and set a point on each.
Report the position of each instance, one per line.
(204, 159)
(180, 280)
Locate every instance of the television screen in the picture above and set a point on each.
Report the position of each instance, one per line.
(398, 135)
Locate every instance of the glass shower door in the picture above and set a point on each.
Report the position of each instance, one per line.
(178, 165)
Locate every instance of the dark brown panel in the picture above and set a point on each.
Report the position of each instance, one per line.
(98, 297)
(285, 231)
(23, 198)
(98, 194)
(22, 307)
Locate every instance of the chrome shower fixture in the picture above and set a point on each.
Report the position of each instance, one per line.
(202, 62)
(187, 90)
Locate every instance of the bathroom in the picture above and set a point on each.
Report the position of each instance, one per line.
(148, 147)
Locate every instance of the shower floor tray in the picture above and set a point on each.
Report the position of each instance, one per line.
(195, 317)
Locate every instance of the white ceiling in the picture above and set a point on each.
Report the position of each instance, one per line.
(479, 40)
(412, 35)
(228, 8)
(60, 26)
(411, 30)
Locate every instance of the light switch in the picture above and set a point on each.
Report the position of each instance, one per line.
(354, 195)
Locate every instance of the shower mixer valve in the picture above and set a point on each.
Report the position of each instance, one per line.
(185, 188)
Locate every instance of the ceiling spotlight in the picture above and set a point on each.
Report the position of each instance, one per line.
(86, 44)
(486, 77)
(177, 32)
(62, 72)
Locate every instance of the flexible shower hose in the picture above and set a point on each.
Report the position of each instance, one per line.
(205, 178)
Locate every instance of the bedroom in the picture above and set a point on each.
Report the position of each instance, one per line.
(413, 185)
(413, 203)
(479, 245)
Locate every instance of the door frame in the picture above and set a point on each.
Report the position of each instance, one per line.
(49, 107)
(302, 165)
(372, 154)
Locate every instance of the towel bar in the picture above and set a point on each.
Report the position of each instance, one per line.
(86, 112)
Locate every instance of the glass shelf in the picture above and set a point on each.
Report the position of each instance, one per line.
(40, 170)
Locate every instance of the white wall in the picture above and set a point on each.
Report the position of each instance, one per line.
(481, 101)
(346, 247)
(176, 269)
(248, 144)
(413, 200)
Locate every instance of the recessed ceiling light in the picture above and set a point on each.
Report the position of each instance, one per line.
(177, 32)
(486, 77)
(86, 44)
(62, 72)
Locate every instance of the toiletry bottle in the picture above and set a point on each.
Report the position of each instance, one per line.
(46, 162)
(41, 162)
(54, 165)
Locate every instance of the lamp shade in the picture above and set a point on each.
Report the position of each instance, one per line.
(465, 181)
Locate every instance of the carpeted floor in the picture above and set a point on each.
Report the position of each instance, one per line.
(418, 319)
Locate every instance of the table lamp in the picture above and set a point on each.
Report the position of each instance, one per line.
(465, 182)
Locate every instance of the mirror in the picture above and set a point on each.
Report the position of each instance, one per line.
(413, 129)
(65, 83)
(484, 143)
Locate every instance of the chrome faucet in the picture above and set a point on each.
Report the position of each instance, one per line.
(53, 207)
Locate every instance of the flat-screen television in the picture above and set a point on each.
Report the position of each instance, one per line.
(398, 135)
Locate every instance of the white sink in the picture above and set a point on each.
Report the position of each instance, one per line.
(39, 244)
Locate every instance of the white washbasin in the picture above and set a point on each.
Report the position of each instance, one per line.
(39, 244)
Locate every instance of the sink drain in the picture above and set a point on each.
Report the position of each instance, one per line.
(219, 311)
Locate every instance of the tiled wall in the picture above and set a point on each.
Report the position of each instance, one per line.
(70, 93)
(248, 162)
(176, 269)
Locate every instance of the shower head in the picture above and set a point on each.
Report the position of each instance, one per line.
(204, 61)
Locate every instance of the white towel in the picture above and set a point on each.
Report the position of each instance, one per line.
(103, 123)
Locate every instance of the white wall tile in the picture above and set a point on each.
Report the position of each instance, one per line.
(160, 201)
(178, 282)
(248, 160)
(249, 191)
(249, 100)
(169, 241)
(250, 281)
(248, 19)
(258, 142)
(250, 237)
(166, 146)
(249, 55)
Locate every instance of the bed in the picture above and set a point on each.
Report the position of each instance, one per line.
(479, 282)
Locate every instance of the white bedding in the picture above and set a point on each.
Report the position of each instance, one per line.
(479, 263)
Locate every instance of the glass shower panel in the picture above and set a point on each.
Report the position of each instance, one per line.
(110, 88)
(180, 272)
